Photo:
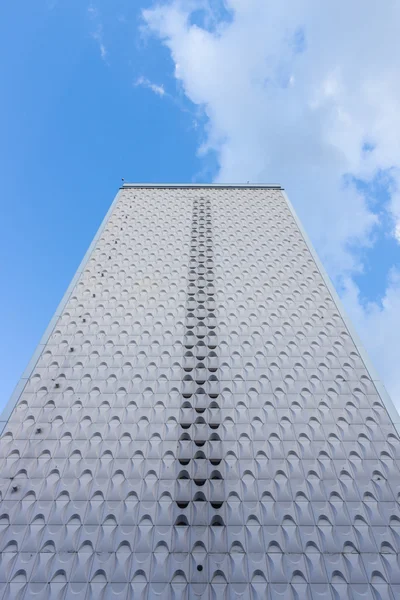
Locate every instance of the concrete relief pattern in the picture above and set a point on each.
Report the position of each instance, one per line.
(200, 423)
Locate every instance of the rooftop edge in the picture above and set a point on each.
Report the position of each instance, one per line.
(274, 186)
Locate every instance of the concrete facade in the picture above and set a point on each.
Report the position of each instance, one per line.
(200, 420)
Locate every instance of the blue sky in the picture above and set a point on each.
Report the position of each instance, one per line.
(72, 124)
(197, 91)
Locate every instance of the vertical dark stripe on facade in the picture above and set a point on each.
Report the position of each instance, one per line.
(200, 491)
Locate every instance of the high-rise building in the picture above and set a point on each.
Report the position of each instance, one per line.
(200, 420)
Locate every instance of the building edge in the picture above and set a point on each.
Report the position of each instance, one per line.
(387, 401)
(19, 388)
(273, 186)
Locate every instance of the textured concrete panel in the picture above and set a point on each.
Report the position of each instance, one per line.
(200, 423)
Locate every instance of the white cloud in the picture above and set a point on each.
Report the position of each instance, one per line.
(93, 12)
(97, 34)
(293, 91)
(144, 82)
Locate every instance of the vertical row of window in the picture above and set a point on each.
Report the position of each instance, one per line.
(198, 424)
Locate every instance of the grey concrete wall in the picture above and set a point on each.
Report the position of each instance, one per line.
(201, 421)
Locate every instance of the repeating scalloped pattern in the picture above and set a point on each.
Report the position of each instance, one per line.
(200, 423)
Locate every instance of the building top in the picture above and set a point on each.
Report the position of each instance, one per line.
(274, 186)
